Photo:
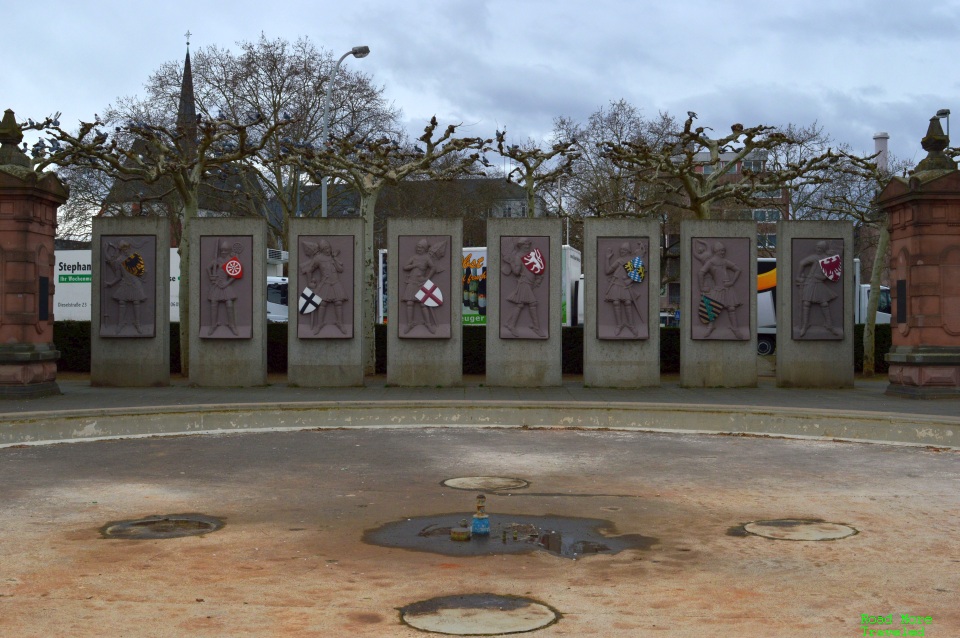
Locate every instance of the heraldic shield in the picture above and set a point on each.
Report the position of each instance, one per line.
(535, 262)
(709, 309)
(636, 270)
(430, 294)
(832, 267)
(309, 301)
(134, 265)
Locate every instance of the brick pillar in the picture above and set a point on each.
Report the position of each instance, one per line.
(924, 222)
(28, 224)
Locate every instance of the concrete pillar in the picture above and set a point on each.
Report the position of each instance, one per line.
(721, 352)
(424, 338)
(818, 353)
(621, 345)
(319, 352)
(923, 214)
(130, 312)
(531, 355)
(28, 225)
(222, 354)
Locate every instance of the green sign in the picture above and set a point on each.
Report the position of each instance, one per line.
(75, 279)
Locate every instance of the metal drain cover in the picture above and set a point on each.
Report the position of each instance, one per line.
(486, 483)
(168, 526)
(478, 615)
(793, 529)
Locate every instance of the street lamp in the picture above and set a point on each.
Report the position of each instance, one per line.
(945, 113)
(357, 52)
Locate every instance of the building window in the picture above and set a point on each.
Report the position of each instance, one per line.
(774, 193)
(757, 166)
(707, 169)
(766, 215)
(768, 241)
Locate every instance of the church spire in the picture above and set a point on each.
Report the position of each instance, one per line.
(187, 112)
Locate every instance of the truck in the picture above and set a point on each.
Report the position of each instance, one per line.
(767, 303)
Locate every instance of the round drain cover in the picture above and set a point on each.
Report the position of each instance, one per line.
(170, 526)
(486, 483)
(789, 529)
(478, 615)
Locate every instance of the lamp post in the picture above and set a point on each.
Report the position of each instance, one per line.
(945, 113)
(357, 52)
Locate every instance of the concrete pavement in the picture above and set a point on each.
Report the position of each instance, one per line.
(291, 560)
(862, 413)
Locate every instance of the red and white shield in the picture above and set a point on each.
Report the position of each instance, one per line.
(534, 262)
(429, 295)
(831, 267)
(233, 268)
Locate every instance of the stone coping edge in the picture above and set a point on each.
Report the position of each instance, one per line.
(842, 425)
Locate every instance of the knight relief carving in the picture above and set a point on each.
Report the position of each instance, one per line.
(127, 286)
(720, 288)
(623, 288)
(226, 288)
(818, 289)
(325, 305)
(425, 280)
(524, 288)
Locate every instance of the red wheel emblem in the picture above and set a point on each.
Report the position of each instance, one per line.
(233, 268)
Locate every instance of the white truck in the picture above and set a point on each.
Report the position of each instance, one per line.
(767, 303)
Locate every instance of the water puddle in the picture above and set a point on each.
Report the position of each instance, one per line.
(563, 536)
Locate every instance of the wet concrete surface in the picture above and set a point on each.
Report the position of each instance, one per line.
(564, 536)
(290, 560)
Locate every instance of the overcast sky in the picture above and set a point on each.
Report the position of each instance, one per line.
(854, 66)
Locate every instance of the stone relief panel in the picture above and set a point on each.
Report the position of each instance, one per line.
(424, 270)
(817, 273)
(623, 290)
(720, 290)
(128, 296)
(226, 287)
(524, 287)
(325, 305)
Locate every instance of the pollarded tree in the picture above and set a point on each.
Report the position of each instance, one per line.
(367, 164)
(536, 168)
(696, 171)
(183, 156)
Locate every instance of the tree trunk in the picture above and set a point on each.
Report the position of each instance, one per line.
(190, 206)
(869, 329)
(368, 312)
(531, 199)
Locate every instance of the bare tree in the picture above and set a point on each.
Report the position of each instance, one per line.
(368, 164)
(88, 190)
(281, 82)
(694, 169)
(595, 185)
(183, 155)
(536, 168)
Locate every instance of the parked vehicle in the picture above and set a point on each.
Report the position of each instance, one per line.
(277, 298)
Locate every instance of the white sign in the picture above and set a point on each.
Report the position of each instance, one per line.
(73, 281)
